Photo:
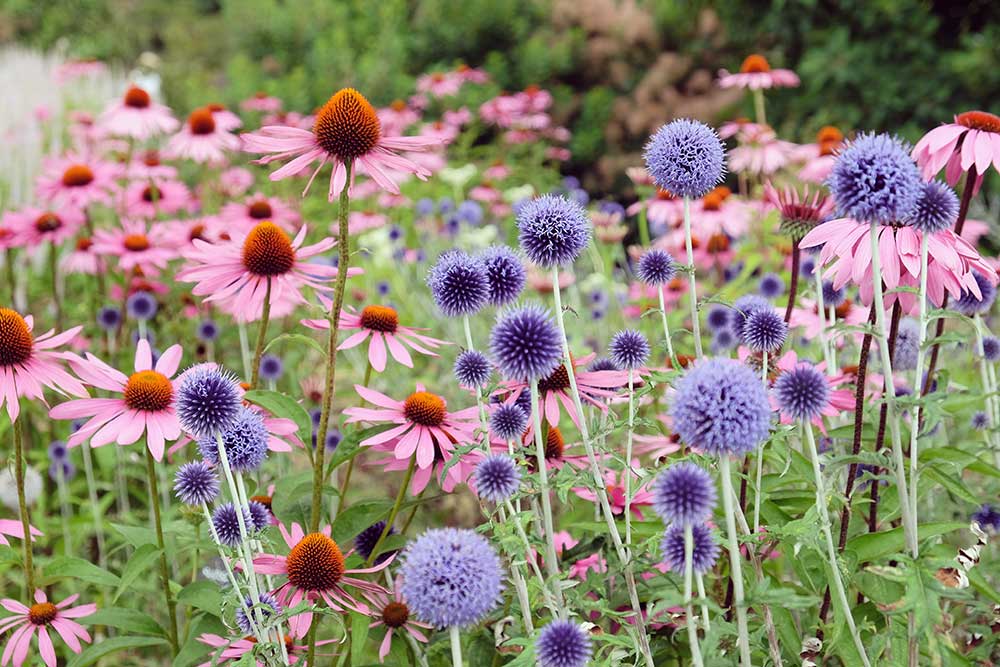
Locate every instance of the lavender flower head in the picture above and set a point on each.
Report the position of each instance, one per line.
(208, 400)
(526, 344)
(833, 296)
(271, 367)
(196, 483)
(628, 349)
(108, 318)
(656, 267)
(472, 369)
(936, 208)
(764, 331)
(988, 517)
(459, 284)
(508, 421)
(245, 440)
(141, 306)
(991, 348)
(563, 643)
(719, 317)
(969, 304)
(553, 230)
(686, 158)
(505, 274)
(684, 493)
(904, 357)
(744, 306)
(260, 515)
(227, 524)
(875, 180)
(771, 286)
(721, 408)
(497, 478)
(267, 605)
(451, 577)
(207, 331)
(979, 421)
(803, 392)
(367, 539)
(704, 554)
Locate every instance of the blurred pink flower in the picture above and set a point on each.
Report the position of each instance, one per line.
(137, 116)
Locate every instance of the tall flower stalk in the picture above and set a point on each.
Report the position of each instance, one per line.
(22, 506)
(161, 544)
(692, 281)
(261, 336)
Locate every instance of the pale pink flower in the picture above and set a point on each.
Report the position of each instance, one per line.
(149, 198)
(235, 181)
(39, 619)
(460, 468)
(82, 259)
(14, 528)
(361, 221)
(33, 226)
(79, 69)
(263, 102)
(136, 246)
(973, 140)
(756, 73)
(440, 84)
(137, 116)
(77, 180)
(202, 140)
(224, 119)
(614, 483)
(148, 165)
(256, 209)
(234, 648)
(395, 617)
(396, 117)
(760, 152)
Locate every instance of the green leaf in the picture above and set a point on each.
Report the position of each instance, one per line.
(951, 484)
(350, 447)
(193, 652)
(291, 500)
(357, 517)
(202, 595)
(296, 338)
(359, 635)
(140, 561)
(95, 652)
(872, 546)
(280, 405)
(77, 568)
(135, 535)
(127, 620)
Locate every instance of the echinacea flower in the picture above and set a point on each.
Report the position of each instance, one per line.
(149, 198)
(379, 325)
(316, 571)
(973, 140)
(144, 402)
(40, 618)
(257, 208)
(346, 130)
(756, 73)
(614, 485)
(33, 226)
(136, 245)
(28, 364)
(233, 649)
(137, 116)
(237, 273)
(14, 528)
(77, 180)
(799, 212)
(395, 617)
(202, 139)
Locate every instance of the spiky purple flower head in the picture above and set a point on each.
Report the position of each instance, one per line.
(367, 539)
(207, 331)
(58, 451)
(629, 349)
(991, 348)
(802, 392)
(271, 367)
(875, 180)
(267, 605)
(833, 296)
(979, 421)
(459, 284)
(553, 230)
(684, 493)
(744, 306)
(904, 356)
(196, 483)
(109, 318)
(721, 407)
(686, 158)
(472, 369)
(563, 643)
(719, 317)
(969, 304)
(723, 340)
(704, 554)
(602, 364)
(260, 515)
(208, 400)
(245, 440)
(227, 524)
(451, 577)
(764, 330)
(526, 344)
(656, 267)
(771, 285)
(988, 517)
(505, 274)
(141, 305)
(497, 478)
(936, 208)
(508, 421)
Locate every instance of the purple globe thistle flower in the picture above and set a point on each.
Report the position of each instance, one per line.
(458, 283)
(875, 180)
(196, 483)
(526, 344)
(382, 287)
(563, 643)
(904, 357)
(803, 392)
(451, 577)
(58, 451)
(109, 318)
(497, 478)
(470, 211)
(267, 605)
(807, 266)
(508, 422)
(472, 369)
(207, 331)
(936, 208)
(656, 267)
(271, 367)
(833, 296)
(141, 305)
(227, 524)
(64, 468)
(208, 401)
(553, 230)
(723, 340)
(771, 286)
(452, 225)
(260, 515)
(988, 517)
(980, 421)
(505, 274)
(686, 158)
(744, 306)
(719, 317)
(367, 539)
(424, 207)
(721, 407)
(969, 304)
(611, 208)
(764, 331)
(629, 349)
(704, 554)
(446, 205)
(991, 348)
(602, 364)
(684, 493)
(245, 440)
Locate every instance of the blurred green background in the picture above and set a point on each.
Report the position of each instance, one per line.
(618, 68)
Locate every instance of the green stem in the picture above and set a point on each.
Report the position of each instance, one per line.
(628, 457)
(456, 647)
(644, 227)
(675, 364)
(758, 106)
(735, 560)
(692, 281)
(395, 510)
(261, 336)
(88, 471)
(918, 372)
(22, 505)
(241, 327)
(692, 631)
(341, 500)
(161, 543)
(54, 276)
(551, 558)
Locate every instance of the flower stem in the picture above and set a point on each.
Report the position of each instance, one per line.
(666, 330)
(88, 471)
(692, 282)
(831, 550)
(692, 631)
(704, 601)
(551, 559)
(483, 420)
(821, 313)
(793, 285)
(758, 106)
(735, 560)
(22, 505)
(644, 238)
(628, 458)
(154, 496)
(403, 487)
(984, 378)
(230, 574)
(918, 373)
(54, 276)
(456, 647)
(261, 336)
(319, 472)
(549, 601)
(241, 327)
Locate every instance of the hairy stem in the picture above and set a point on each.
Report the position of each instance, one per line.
(261, 336)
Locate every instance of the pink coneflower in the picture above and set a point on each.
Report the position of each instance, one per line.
(143, 402)
(847, 243)
(395, 617)
(137, 116)
(40, 618)
(75, 180)
(224, 119)
(82, 259)
(148, 165)
(556, 454)
(316, 571)
(14, 528)
(263, 102)
(760, 152)
(149, 198)
(236, 273)
(33, 226)
(234, 648)
(181, 234)
(440, 84)
(29, 364)
(973, 140)
(396, 117)
(756, 73)
(663, 210)
(614, 482)
(256, 209)
(76, 69)
(820, 156)
(441, 131)
(380, 324)
(202, 140)
(235, 181)
(806, 315)
(362, 221)
(346, 130)
(424, 425)
(460, 469)
(136, 246)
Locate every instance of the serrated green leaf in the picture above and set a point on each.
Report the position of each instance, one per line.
(95, 652)
(77, 568)
(140, 561)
